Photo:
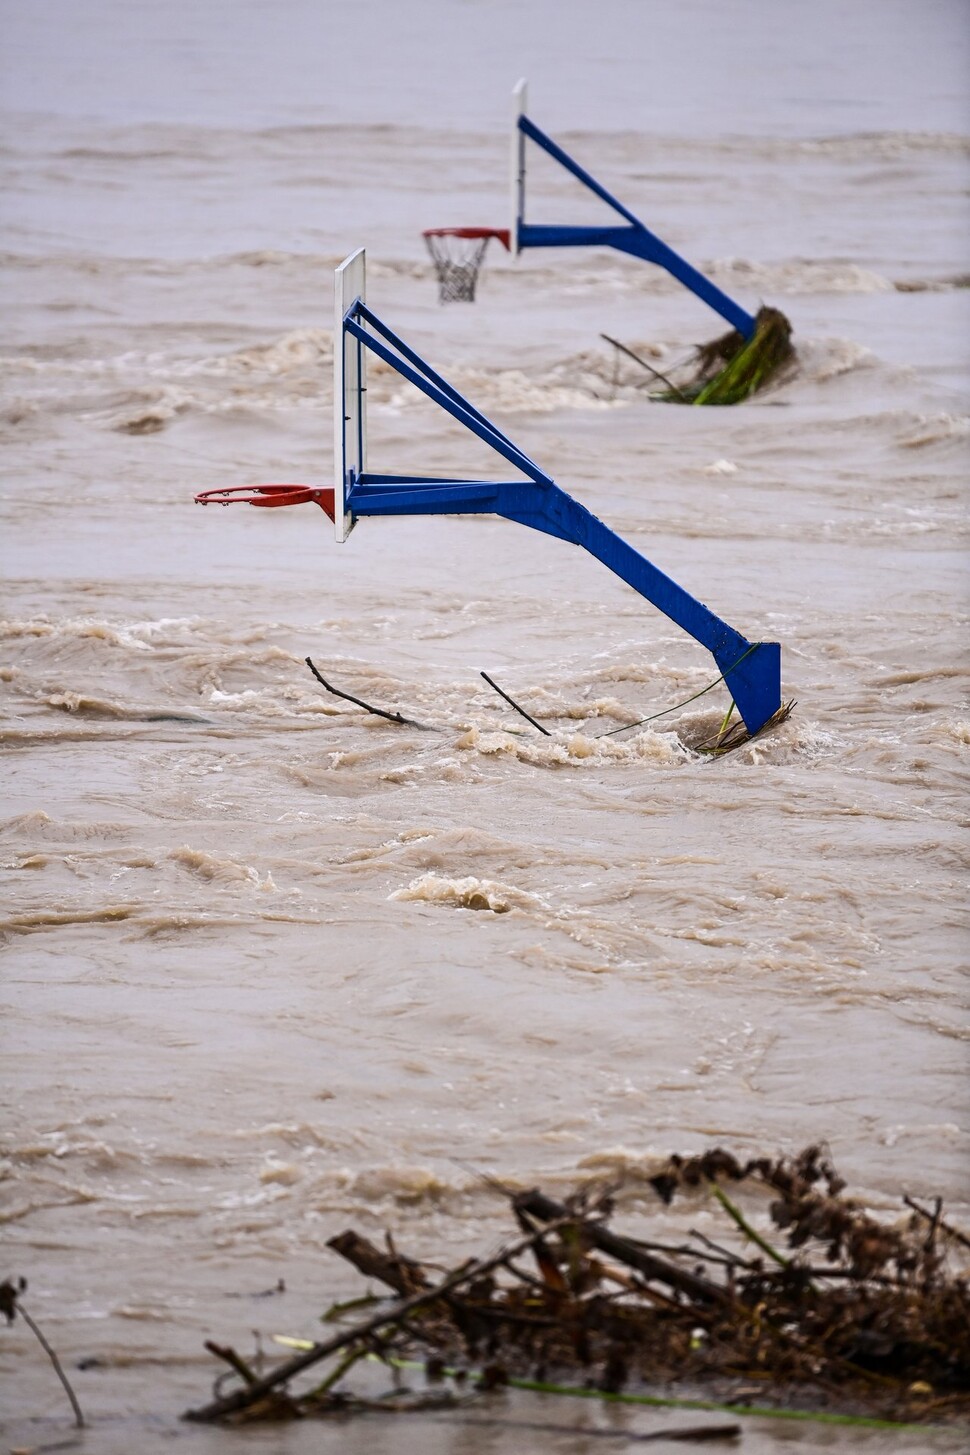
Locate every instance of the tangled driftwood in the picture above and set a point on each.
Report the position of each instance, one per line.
(855, 1313)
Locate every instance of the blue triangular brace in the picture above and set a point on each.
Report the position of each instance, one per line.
(632, 238)
(751, 670)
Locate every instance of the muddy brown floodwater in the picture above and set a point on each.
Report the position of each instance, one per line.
(272, 966)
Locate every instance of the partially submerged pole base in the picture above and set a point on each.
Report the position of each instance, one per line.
(754, 683)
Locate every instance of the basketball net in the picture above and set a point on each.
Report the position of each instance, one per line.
(457, 254)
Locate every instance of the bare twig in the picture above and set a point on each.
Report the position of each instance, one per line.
(937, 1221)
(234, 1360)
(685, 1432)
(720, 1255)
(392, 1314)
(649, 367)
(545, 1209)
(402, 1274)
(520, 710)
(78, 1416)
(358, 702)
(737, 1216)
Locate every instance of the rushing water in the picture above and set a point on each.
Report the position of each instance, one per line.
(258, 980)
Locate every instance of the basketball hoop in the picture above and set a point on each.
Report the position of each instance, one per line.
(457, 254)
(269, 495)
(751, 670)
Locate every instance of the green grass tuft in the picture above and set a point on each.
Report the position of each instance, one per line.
(732, 368)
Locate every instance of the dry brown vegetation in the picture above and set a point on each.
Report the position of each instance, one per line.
(834, 1307)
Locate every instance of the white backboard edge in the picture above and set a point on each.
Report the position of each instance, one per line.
(349, 391)
(517, 167)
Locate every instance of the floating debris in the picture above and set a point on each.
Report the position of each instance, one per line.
(811, 1305)
(727, 370)
(733, 367)
(730, 735)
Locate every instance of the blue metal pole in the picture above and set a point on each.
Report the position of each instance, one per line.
(430, 383)
(641, 243)
(361, 313)
(752, 670)
(529, 129)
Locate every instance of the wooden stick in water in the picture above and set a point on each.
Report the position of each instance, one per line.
(393, 1314)
(520, 710)
(359, 702)
(649, 367)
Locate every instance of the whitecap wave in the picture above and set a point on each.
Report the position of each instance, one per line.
(577, 750)
(467, 893)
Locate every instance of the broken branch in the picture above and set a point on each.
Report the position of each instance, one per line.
(546, 1210)
(649, 367)
(520, 710)
(359, 702)
(233, 1403)
(10, 1305)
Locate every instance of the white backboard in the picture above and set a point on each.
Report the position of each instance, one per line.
(517, 168)
(349, 391)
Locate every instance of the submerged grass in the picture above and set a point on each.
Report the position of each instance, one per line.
(731, 368)
(730, 736)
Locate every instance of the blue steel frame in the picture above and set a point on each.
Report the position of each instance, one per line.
(751, 670)
(634, 238)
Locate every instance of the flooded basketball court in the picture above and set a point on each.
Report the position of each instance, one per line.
(255, 987)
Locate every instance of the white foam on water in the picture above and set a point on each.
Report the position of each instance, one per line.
(466, 893)
(578, 749)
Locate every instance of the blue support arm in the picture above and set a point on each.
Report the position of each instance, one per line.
(752, 670)
(640, 242)
(635, 238)
(414, 369)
